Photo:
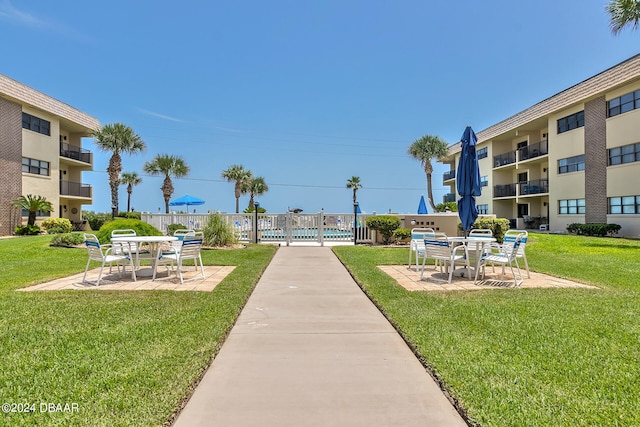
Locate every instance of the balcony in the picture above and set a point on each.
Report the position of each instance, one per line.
(76, 189)
(538, 186)
(504, 159)
(451, 197)
(534, 150)
(508, 190)
(76, 153)
(449, 175)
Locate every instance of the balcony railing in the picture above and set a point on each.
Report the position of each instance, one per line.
(450, 197)
(534, 150)
(449, 175)
(77, 189)
(504, 159)
(537, 186)
(508, 190)
(74, 152)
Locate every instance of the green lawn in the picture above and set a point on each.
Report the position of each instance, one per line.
(125, 358)
(527, 357)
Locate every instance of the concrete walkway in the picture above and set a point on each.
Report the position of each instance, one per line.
(310, 349)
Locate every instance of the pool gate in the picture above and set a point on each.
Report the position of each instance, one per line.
(285, 228)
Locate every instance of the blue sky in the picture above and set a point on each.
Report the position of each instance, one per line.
(303, 93)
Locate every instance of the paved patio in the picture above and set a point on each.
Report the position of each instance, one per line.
(410, 280)
(164, 282)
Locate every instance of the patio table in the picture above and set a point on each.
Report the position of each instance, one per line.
(155, 248)
(478, 249)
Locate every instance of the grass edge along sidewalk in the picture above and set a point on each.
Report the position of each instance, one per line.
(125, 358)
(562, 357)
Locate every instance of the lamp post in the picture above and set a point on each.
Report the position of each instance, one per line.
(113, 211)
(355, 222)
(256, 205)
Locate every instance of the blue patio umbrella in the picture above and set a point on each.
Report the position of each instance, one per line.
(468, 180)
(187, 201)
(422, 206)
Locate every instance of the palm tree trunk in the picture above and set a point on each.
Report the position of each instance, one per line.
(129, 190)
(430, 193)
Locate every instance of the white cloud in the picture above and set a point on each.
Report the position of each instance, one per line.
(160, 116)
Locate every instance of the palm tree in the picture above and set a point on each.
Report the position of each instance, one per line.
(257, 187)
(354, 183)
(623, 13)
(424, 150)
(33, 204)
(129, 179)
(242, 178)
(117, 138)
(167, 165)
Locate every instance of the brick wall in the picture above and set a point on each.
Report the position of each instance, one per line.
(596, 160)
(10, 164)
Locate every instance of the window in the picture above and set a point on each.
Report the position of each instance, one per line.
(624, 103)
(625, 154)
(482, 153)
(571, 207)
(484, 181)
(483, 209)
(36, 124)
(34, 166)
(25, 212)
(624, 205)
(571, 122)
(571, 164)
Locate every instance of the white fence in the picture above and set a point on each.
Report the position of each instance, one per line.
(285, 228)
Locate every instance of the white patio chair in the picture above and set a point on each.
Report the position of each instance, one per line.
(190, 249)
(132, 248)
(104, 254)
(507, 256)
(443, 251)
(476, 249)
(510, 237)
(416, 246)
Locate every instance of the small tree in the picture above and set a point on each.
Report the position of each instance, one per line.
(424, 150)
(354, 183)
(167, 165)
(129, 179)
(385, 224)
(33, 204)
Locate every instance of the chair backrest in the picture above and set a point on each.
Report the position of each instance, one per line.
(481, 232)
(419, 234)
(510, 237)
(183, 232)
(438, 248)
(191, 246)
(93, 247)
(128, 232)
(511, 247)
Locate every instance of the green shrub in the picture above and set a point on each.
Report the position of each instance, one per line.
(130, 215)
(171, 228)
(593, 229)
(57, 225)
(218, 233)
(442, 207)
(96, 220)
(385, 225)
(402, 233)
(141, 228)
(27, 230)
(498, 226)
(67, 239)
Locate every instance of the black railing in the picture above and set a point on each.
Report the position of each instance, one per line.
(537, 186)
(78, 189)
(534, 150)
(504, 159)
(449, 175)
(451, 197)
(74, 152)
(508, 190)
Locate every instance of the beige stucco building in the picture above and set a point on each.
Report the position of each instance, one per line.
(41, 153)
(572, 158)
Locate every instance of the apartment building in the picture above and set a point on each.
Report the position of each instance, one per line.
(572, 158)
(41, 153)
